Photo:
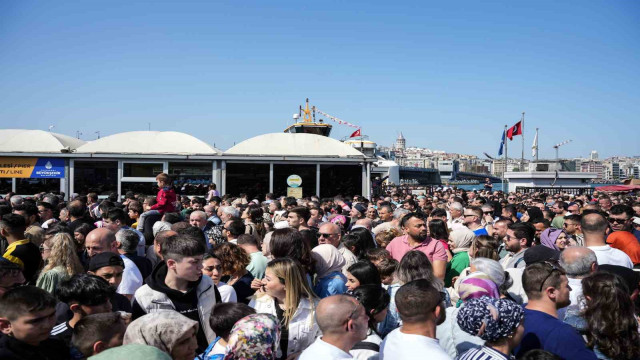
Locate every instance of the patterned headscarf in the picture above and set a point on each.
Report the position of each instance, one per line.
(328, 259)
(549, 236)
(254, 337)
(160, 329)
(476, 285)
(490, 319)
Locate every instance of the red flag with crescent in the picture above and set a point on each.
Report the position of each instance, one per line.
(515, 130)
(356, 133)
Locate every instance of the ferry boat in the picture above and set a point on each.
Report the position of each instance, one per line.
(308, 124)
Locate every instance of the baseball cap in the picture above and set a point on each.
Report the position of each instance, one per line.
(105, 259)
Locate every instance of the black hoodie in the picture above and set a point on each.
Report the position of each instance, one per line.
(184, 303)
(50, 349)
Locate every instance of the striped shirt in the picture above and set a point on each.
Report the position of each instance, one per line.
(484, 353)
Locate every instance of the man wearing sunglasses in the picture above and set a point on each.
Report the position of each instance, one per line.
(547, 288)
(620, 220)
(518, 239)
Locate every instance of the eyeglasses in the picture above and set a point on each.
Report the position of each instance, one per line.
(355, 308)
(487, 212)
(618, 221)
(465, 215)
(553, 268)
(511, 198)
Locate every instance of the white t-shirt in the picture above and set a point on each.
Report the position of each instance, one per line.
(608, 255)
(227, 292)
(131, 278)
(398, 345)
(321, 350)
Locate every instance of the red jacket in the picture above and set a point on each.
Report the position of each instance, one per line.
(166, 197)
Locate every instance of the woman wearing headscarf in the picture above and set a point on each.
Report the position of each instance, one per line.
(532, 213)
(452, 338)
(553, 238)
(169, 331)
(254, 337)
(459, 242)
(499, 322)
(329, 278)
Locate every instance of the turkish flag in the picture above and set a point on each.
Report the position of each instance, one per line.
(515, 130)
(356, 133)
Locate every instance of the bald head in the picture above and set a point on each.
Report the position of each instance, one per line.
(334, 311)
(593, 224)
(100, 240)
(578, 261)
(366, 222)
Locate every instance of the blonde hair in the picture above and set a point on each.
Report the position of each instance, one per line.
(35, 234)
(63, 253)
(291, 274)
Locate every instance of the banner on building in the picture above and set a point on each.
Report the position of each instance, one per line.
(30, 167)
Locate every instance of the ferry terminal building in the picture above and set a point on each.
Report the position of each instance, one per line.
(33, 161)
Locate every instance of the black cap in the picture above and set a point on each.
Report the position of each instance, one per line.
(540, 253)
(105, 259)
(8, 265)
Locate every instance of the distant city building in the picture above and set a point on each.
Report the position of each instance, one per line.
(594, 155)
(401, 142)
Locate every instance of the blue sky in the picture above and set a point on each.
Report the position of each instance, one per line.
(449, 75)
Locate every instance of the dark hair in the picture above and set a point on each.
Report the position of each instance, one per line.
(135, 206)
(511, 209)
(14, 224)
(115, 214)
(28, 208)
(523, 231)
(438, 230)
(76, 209)
(233, 258)
(179, 247)
(536, 275)
(409, 216)
(374, 299)
(563, 205)
(193, 232)
(609, 312)
(246, 239)
(416, 299)
(172, 218)
(24, 300)
(622, 209)
(236, 227)
(83, 229)
(387, 267)
(365, 272)
(438, 212)
(199, 200)
(365, 240)
(84, 289)
(288, 242)
(538, 354)
(415, 265)
(486, 247)
(93, 328)
(377, 254)
(534, 214)
(302, 212)
(225, 315)
(573, 217)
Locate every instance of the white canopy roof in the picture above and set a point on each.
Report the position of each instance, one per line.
(286, 144)
(35, 141)
(149, 142)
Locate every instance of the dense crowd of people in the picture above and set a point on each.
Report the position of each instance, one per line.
(441, 275)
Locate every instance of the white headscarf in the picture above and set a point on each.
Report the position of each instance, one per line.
(462, 239)
(328, 259)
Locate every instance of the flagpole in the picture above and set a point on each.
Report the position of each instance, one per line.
(537, 147)
(506, 159)
(522, 155)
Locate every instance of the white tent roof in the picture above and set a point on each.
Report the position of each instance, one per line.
(149, 142)
(285, 144)
(35, 141)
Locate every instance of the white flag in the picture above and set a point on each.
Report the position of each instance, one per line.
(534, 147)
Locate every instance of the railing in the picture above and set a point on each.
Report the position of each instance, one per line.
(552, 190)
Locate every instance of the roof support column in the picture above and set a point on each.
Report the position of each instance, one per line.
(318, 180)
(223, 177)
(364, 179)
(271, 177)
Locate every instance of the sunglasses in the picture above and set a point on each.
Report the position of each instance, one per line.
(323, 235)
(617, 221)
(553, 268)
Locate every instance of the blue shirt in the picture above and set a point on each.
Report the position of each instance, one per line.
(480, 231)
(543, 331)
(332, 284)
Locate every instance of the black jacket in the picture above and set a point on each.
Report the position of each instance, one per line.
(50, 349)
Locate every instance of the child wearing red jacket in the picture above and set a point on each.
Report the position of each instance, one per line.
(165, 200)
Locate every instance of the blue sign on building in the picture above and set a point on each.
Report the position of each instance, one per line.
(48, 168)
